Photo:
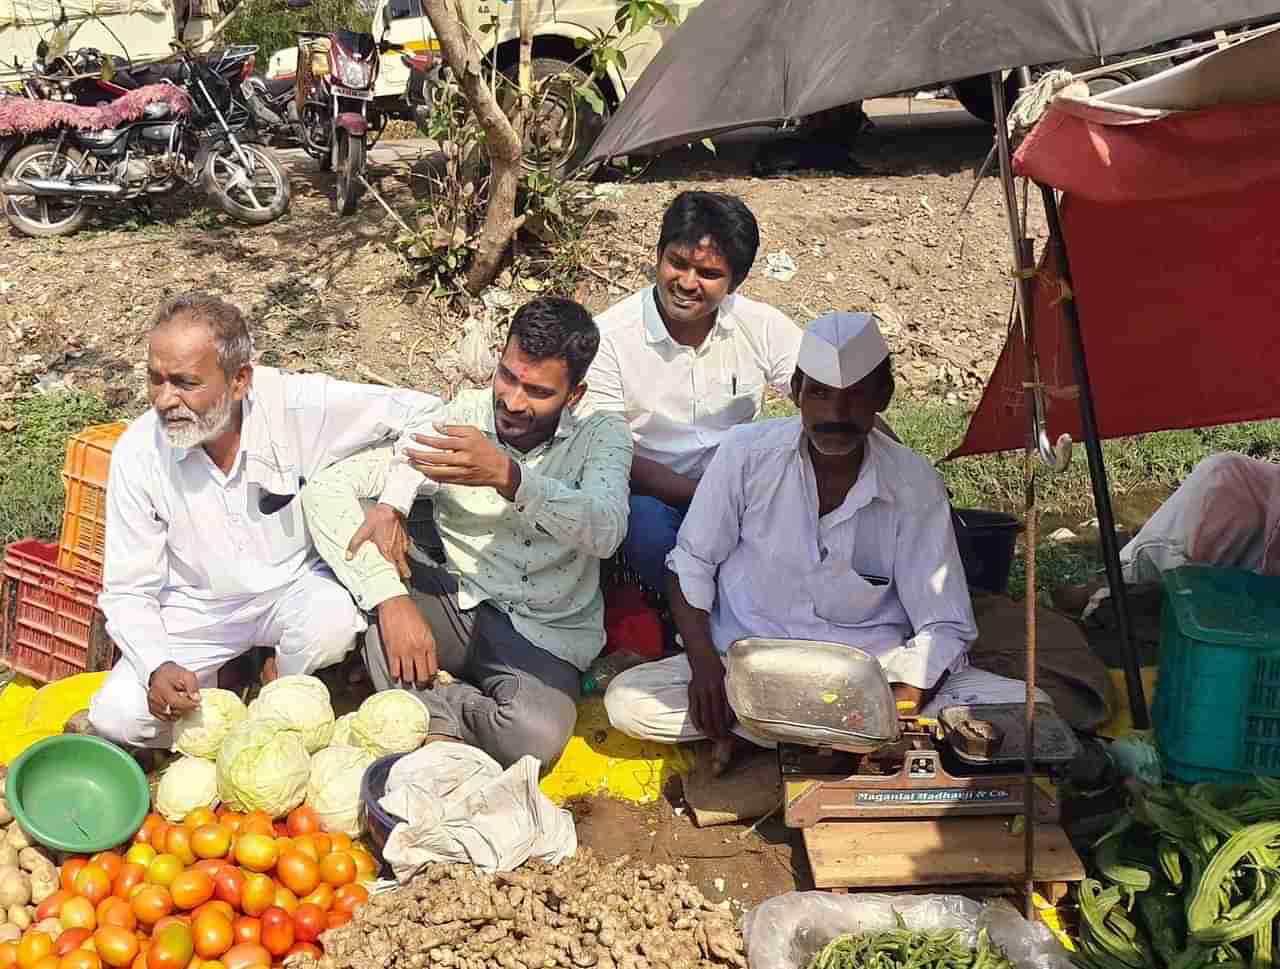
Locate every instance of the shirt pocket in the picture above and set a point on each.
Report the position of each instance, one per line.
(857, 590)
(729, 401)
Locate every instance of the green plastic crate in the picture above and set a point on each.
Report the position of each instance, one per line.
(1217, 708)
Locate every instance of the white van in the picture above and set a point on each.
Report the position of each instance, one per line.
(569, 124)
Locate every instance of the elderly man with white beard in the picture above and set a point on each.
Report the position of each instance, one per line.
(207, 553)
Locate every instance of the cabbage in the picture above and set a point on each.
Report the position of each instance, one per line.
(302, 702)
(390, 722)
(187, 784)
(342, 731)
(263, 766)
(334, 788)
(200, 732)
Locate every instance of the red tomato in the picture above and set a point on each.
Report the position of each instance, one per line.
(80, 959)
(70, 868)
(143, 834)
(69, 940)
(51, 907)
(220, 907)
(151, 904)
(191, 889)
(285, 899)
(211, 841)
(247, 929)
(78, 913)
(93, 883)
(171, 947)
(118, 913)
(259, 894)
(178, 842)
(118, 947)
(277, 930)
(159, 837)
(199, 817)
(298, 873)
(8, 955)
(258, 822)
(228, 885)
(303, 820)
(348, 898)
(322, 897)
(129, 876)
(366, 867)
(247, 955)
(338, 868)
(213, 935)
(256, 852)
(336, 920)
(308, 922)
(108, 861)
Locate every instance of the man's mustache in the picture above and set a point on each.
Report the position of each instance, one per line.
(836, 427)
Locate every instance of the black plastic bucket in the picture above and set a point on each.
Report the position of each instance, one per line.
(987, 540)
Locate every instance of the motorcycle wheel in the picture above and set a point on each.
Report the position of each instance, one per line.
(350, 167)
(255, 197)
(42, 218)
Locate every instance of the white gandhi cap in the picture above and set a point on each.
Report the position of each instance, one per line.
(839, 349)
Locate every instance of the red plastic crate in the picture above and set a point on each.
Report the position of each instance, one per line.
(49, 617)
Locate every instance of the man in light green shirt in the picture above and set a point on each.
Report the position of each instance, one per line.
(528, 496)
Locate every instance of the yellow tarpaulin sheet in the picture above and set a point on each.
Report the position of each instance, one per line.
(1122, 723)
(600, 760)
(28, 714)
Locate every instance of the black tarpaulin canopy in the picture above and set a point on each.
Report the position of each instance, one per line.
(741, 63)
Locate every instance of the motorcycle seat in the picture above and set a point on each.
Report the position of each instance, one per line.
(28, 115)
(277, 86)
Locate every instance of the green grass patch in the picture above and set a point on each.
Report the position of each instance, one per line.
(32, 456)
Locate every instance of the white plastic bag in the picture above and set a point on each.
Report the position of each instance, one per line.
(787, 931)
(459, 805)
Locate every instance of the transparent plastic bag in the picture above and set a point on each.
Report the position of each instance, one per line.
(787, 931)
(596, 679)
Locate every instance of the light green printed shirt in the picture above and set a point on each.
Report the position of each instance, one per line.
(536, 558)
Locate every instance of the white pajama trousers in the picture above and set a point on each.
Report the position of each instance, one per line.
(312, 624)
(651, 701)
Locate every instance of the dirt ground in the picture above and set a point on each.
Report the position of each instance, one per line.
(723, 862)
(336, 296)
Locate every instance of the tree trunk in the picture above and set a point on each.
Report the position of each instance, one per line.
(503, 140)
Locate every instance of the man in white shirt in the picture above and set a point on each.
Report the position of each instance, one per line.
(821, 527)
(207, 555)
(685, 361)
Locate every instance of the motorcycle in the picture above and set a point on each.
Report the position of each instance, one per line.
(335, 104)
(147, 142)
(273, 102)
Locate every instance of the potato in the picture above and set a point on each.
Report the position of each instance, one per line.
(8, 856)
(15, 887)
(10, 932)
(5, 814)
(18, 916)
(16, 837)
(31, 859)
(44, 882)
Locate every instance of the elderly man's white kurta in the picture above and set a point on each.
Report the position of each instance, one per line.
(201, 566)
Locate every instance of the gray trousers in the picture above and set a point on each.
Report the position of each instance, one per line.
(510, 698)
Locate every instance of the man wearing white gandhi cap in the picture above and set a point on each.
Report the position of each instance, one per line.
(818, 526)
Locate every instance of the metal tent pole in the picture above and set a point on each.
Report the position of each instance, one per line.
(1098, 471)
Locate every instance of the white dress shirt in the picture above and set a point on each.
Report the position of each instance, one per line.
(681, 401)
(187, 544)
(880, 572)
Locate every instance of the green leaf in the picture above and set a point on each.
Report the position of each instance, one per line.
(580, 42)
(710, 145)
(589, 94)
(622, 60)
(531, 284)
(641, 20)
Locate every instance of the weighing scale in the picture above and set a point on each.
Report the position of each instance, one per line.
(887, 801)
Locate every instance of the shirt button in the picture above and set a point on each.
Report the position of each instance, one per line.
(519, 507)
(524, 578)
(528, 542)
(822, 554)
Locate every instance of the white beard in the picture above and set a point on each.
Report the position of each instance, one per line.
(195, 429)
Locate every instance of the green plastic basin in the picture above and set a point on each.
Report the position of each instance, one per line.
(77, 793)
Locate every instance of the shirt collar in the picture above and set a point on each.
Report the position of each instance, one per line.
(655, 330)
(868, 487)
